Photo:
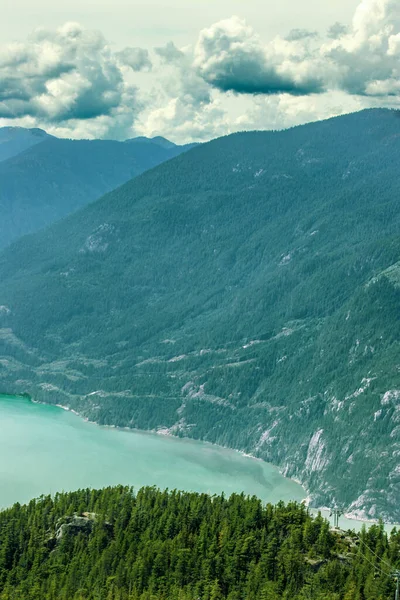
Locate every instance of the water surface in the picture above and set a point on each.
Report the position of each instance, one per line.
(44, 449)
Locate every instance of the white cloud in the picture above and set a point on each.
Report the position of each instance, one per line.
(183, 121)
(182, 105)
(72, 83)
(363, 60)
(67, 77)
(137, 59)
(230, 56)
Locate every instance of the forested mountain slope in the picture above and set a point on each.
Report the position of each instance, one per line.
(52, 179)
(113, 545)
(14, 140)
(246, 293)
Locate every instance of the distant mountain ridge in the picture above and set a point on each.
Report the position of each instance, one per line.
(245, 293)
(160, 141)
(43, 178)
(14, 140)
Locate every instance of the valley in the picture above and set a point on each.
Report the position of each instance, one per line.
(245, 294)
(200, 300)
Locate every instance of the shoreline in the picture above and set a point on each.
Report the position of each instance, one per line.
(167, 433)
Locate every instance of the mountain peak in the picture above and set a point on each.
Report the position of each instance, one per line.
(159, 140)
(14, 140)
(14, 131)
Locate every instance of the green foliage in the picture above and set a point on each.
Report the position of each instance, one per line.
(243, 293)
(157, 545)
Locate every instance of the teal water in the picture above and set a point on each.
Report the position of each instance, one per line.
(44, 449)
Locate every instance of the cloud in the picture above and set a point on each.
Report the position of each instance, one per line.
(182, 105)
(138, 59)
(276, 83)
(337, 30)
(300, 34)
(170, 53)
(362, 60)
(367, 57)
(182, 121)
(277, 112)
(66, 76)
(71, 82)
(230, 56)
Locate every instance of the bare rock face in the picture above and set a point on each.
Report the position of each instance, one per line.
(74, 525)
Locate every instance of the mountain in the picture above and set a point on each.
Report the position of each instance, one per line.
(160, 141)
(55, 177)
(246, 293)
(14, 140)
(113, 544)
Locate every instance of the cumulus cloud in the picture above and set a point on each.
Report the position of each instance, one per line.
(67, 76)
(183, 121)
(73, 84)
(138, 59)
(277, 112)
(288, 80)
(337, 30)
(230, 56)
(183, 105)
(301, 34)
(170, 53)
(363, 60)
(367, 57)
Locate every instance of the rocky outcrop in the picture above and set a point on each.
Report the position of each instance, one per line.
(74, 525)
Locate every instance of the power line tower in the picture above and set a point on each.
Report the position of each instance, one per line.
(396, 576)
(336, 513)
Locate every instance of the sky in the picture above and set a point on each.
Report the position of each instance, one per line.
(193, 70)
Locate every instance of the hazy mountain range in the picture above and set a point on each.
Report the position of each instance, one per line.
(43, 179)
(14, 140)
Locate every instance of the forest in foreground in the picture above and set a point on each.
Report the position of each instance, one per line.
(118, 544)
